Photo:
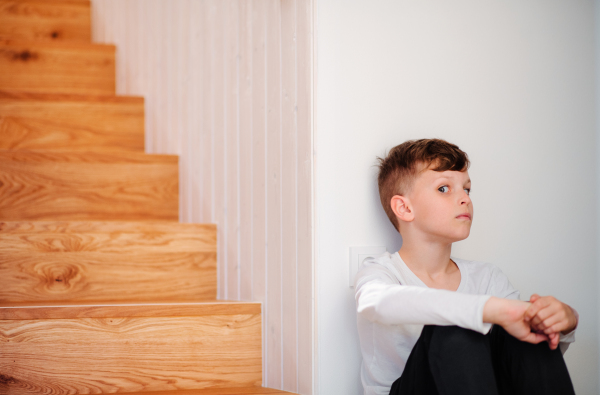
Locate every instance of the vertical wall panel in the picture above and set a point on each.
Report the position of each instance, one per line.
(259, 122)
(217, 72)
(206, 19)
(227, 87)
(305, 222)
(288, 187)
(246, 133)
(274, 251)
(232, 150)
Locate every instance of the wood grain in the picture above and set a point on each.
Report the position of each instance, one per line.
(208, 230)
(218, 391)
(71, 122)
(56, 310)
(38, 66)
(97, 262)
(126, 354)
(74, 186)
(45, 20)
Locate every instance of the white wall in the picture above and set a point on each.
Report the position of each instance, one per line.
(512, 83)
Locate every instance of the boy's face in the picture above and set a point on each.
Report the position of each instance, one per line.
(441, 205)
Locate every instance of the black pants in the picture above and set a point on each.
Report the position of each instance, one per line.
(450, 360)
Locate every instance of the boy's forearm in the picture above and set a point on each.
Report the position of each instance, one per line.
(502, 311)
(493, 311)
(391, 304)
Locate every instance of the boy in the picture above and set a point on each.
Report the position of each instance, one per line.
(425, 317)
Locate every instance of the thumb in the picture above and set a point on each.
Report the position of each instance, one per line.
(534, 297)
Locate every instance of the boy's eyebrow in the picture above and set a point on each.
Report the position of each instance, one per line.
(446, 178)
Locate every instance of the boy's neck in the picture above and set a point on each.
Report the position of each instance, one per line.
(427, 258)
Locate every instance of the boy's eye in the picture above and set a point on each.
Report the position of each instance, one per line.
(442, 187)
(468, 191)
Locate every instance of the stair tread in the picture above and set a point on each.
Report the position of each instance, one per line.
(56, 310)
(57, 44)
(102, 226)
(218, 391)
(110, 157)
(7, 94)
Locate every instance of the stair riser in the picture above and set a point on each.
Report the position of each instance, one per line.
(114, 277)
(88, 191)
(50, 122)
(45, 20)
(62, 68)
(106, 355)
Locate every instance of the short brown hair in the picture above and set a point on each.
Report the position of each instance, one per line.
(399, 169)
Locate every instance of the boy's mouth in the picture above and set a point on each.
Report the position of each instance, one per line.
(466, 216)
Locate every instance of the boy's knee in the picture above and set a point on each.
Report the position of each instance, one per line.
(505, 341)
(456, 340)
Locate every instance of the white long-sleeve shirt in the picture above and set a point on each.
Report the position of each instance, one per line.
(393, 304)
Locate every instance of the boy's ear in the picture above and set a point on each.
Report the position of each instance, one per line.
(402, 208)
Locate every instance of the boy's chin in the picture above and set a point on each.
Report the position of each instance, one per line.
(459, 236)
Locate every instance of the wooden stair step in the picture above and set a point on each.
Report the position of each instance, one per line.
(128, 348)
(46, 311)
(63, 67)
(107, 261)
(66, 122)
(45, 20)
(88, 186)
(218, 391)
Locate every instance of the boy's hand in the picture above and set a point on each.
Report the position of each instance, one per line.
(549, 315)
(510, 314)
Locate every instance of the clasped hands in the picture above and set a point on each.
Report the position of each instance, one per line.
(551, 317)
(543, 318)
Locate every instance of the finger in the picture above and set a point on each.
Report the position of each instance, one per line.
(556, 328)
(535, 338)
(534, 298)
(548, 311)
(557, 318)
(554, 342)
(535, 307)
(536, 322)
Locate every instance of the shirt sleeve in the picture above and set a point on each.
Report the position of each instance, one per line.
(380, 298)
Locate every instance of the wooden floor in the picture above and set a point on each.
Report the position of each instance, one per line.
(102, 290)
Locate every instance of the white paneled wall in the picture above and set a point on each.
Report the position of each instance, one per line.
(227, 87)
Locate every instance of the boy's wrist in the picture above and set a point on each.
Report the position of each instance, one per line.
(502, 311)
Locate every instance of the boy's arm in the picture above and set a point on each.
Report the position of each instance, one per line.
(380, 298)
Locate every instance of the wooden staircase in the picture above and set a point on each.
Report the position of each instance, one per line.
(101, 289)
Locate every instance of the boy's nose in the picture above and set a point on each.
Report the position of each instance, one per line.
(465, 198)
